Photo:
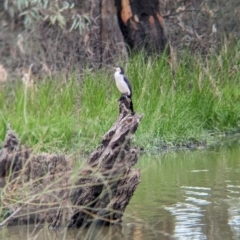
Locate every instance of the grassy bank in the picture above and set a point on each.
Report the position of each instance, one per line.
(196, 100)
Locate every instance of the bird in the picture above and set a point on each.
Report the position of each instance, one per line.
(123, 85)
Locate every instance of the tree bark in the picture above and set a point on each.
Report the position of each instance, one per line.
(112, 41)
(46, 187)
(142, 24)
(137, 24)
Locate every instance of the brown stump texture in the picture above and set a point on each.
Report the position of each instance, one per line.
(47, 188)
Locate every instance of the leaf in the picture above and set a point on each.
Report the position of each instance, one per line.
(11, 12)
(45, 17)
(23, 13)
(27, 20)
(53, 19)
(34, 13)
(80, 24)
(61, 20)
(73, 25)
(6, 5)
(25, 3)
(34, 2)
(19, 5)
(65, 6)
(45, 3)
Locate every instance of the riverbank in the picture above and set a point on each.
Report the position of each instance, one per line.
(188, 102)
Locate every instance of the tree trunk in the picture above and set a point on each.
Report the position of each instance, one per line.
(142, 24)
(137, 23)
(46, 188)
(112, 41)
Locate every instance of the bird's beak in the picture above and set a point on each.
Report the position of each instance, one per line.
(114, 68)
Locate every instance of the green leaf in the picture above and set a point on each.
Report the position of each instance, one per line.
(73, 25)
(53, 19)
(45, 3)
(61, 20)
(24, 13)
(6, 5)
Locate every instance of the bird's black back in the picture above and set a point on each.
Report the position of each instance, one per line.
(128, 83)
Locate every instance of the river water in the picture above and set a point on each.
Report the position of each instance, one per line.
(182, 195)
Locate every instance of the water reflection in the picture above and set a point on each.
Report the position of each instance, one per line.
(43, 233)
(196, 193)
(187, 221)
(182, 195)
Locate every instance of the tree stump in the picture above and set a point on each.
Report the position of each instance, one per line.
(47, 188)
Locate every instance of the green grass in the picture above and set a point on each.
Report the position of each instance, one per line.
(197, 99)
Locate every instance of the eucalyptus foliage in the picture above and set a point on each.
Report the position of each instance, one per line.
(61, 13)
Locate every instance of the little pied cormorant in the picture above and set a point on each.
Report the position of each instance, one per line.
(123, 85)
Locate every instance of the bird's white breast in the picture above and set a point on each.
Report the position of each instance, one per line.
(121, 84)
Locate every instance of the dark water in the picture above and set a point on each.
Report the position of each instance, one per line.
(182, 195)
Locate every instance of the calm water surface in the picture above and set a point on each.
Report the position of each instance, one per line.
(182, 195)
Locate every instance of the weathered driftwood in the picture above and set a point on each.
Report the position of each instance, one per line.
(47, 187)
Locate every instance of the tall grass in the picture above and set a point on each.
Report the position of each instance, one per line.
(193, 100)
(43, 117)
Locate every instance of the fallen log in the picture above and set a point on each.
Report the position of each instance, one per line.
(46, 188)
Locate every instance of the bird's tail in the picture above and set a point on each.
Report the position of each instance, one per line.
(131, 106)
